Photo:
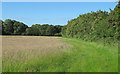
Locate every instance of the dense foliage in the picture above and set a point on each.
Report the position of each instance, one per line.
(12, 27)
(95, 26)
(44, 30)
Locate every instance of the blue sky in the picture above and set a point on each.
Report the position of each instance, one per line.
(56, 13)
(58, 0)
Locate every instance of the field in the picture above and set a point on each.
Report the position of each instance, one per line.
(56, 54)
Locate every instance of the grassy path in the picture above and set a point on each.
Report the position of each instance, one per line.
(91, 57)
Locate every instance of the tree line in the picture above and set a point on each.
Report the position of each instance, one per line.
(95, 26)
(13, 27)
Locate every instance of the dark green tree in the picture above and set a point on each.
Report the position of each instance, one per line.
(8, 26)
(19, 27)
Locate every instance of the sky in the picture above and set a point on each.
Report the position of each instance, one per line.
(58, 0)
(56, 13)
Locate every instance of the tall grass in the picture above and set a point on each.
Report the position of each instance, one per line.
(80, 57)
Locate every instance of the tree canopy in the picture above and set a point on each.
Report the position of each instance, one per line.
(13, 27)
(95, 26)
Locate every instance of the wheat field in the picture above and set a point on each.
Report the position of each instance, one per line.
(29, 51)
